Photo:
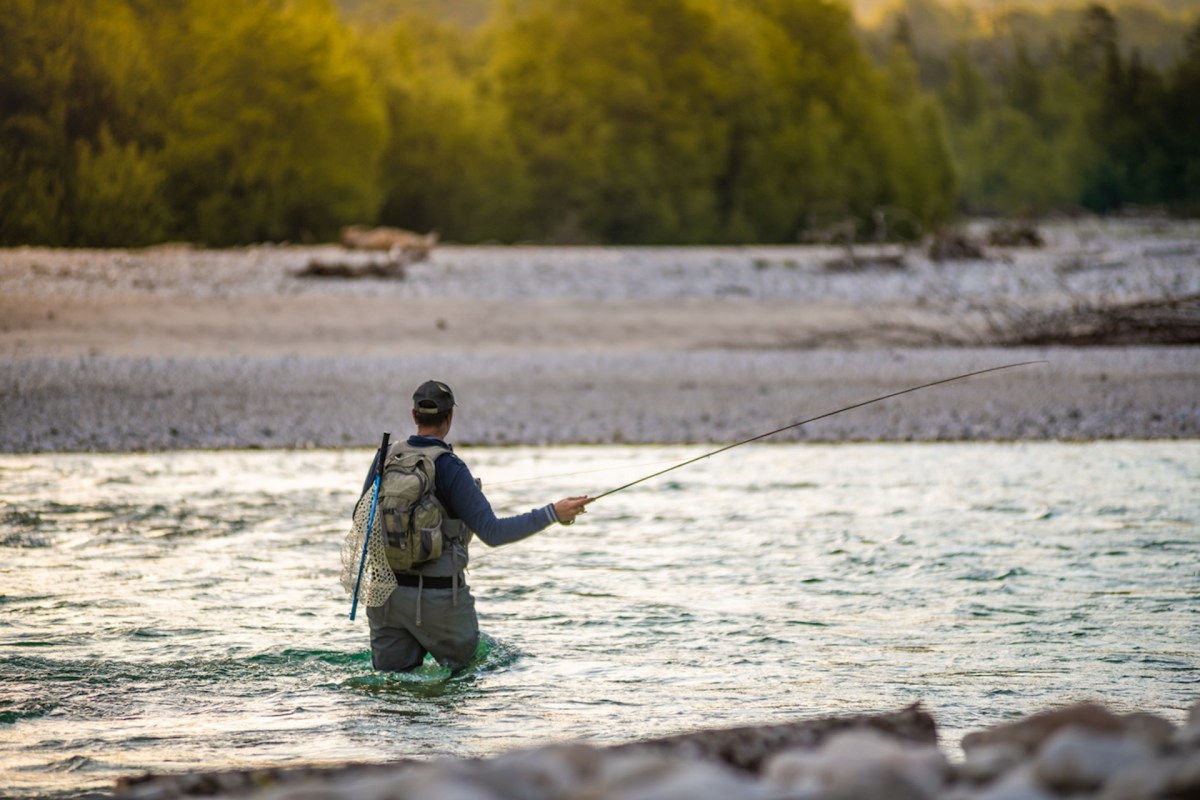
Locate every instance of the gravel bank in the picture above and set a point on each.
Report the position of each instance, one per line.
(178, 348)
(124, 403)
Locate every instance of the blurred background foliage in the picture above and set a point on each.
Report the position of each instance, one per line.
(130, 122)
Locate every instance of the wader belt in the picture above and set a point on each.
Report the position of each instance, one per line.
(429, 582)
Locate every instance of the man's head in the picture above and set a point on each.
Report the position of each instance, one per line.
(433, 404)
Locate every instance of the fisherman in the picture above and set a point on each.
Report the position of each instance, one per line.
(432, 609)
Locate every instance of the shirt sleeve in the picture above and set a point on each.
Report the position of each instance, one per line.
(464, 500)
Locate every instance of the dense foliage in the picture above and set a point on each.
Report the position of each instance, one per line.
(127, 122)
(1060, 117)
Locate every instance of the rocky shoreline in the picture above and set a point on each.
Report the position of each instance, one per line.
(1083, 751)
(175, 348)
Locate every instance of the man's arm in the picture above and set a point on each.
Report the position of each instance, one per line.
(464, 500)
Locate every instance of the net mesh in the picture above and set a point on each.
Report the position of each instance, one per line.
(378, 580)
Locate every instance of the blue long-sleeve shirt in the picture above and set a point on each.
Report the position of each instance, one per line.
(462, 498)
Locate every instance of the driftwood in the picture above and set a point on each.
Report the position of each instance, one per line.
(860, 260)
(316, 268)
(400, 246)
(952, 246)
(415, 246)
(1015, 234)
(1159, 321)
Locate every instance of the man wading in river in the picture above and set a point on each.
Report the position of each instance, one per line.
(431, 609)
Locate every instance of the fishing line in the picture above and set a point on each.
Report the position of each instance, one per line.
(964, 376)
(580, 472)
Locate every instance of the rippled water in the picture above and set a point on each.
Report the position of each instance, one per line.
(174, 611)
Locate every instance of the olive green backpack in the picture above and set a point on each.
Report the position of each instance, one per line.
(410, 515)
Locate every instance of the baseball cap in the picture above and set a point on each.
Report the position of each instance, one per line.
(433, 397)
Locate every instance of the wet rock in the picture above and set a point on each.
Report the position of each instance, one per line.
(650, 776)
(545, 773)
(988, 762)
(1029, 733)
(1079, 752)
(1144, 779)
(445, 780)
(1185, 780)
(860, 764)
(1150, 728)
(1189, 735)
(1020, 784)
(748, 748)
(1078, 759)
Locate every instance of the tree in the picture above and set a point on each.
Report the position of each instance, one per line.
(1182, 98)
(614, 104)
(450, 162)
(65, 82)
(276, 132)
(35, 150)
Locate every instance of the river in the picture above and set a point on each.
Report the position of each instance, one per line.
(181, 610)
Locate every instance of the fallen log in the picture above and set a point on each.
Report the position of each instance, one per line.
(415, 246)
(390, 269)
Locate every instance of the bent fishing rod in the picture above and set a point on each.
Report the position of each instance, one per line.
(962, 377)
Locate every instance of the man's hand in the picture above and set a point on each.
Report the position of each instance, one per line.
(569, 508)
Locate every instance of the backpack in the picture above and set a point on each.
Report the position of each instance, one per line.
(409, 513)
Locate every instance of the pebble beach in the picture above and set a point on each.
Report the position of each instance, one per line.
(175, 347)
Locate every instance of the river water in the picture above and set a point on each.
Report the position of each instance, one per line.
(172, 611)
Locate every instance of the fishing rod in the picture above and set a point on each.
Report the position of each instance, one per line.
(814, 419)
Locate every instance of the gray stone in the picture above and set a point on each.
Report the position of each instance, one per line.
(1080, 759)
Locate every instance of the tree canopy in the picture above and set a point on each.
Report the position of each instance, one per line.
(124, 122)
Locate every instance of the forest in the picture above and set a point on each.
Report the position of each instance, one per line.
(224, 122)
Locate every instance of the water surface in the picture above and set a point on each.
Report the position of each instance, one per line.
(181, 610)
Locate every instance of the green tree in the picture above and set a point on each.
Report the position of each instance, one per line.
(276, 131)
(923, 176)
(860, 140)
(1182, 124)
(35, 150)
(614, 104)
(450, 163)
(67, 79)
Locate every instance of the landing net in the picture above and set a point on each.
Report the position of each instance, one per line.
(378, 580)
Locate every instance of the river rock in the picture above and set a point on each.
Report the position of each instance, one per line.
(860, 764)
(986, 763)
(1019, 784)
(1189, 735)
(1079, 752)
(1078, 759)
(544, 773)
(658, 776)
(1185, 778)
(1029, 733)
(749, 747)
